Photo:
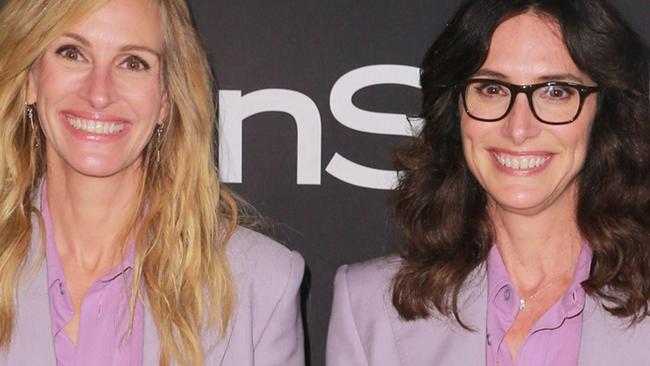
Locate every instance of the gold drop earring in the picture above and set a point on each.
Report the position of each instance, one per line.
(159, 131)
(32, 125)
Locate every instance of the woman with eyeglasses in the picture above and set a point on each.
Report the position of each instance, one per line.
(524, 200)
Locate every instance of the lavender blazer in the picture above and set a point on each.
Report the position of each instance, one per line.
(266, 328)
(365, 329)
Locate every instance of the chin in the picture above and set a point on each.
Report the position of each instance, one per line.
(100, 168)
(524, 202)
(95, 171)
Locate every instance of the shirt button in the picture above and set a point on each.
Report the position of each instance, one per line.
(489, 341)
(61, 288)
(507, 294)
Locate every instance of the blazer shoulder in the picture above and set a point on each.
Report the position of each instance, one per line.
(371, 277)
(367, 330)
(361, 322)
(267, 325)
(250, 252)
(263, 269)
(609, 340)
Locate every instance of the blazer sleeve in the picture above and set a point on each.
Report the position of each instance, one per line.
(344, 347)
(281, 339)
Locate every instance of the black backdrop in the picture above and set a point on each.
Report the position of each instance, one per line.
(308, 162)
(306, 46)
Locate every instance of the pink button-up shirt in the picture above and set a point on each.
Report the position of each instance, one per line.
(104, 338)
(555, 339)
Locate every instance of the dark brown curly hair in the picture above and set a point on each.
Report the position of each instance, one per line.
(442, 208)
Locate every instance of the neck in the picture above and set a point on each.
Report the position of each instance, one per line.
(540, 247)
(89, 215)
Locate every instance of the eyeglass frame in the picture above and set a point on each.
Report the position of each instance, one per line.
(583, 90)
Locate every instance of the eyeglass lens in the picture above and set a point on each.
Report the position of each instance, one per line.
(488, 100)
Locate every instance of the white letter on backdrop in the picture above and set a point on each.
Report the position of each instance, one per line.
(234, 108)
(367, 121)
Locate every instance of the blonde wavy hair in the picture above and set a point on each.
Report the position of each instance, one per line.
(189, 217)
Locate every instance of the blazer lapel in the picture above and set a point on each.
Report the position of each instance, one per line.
(32, 342)
(590, 323)
(608, 340)
(214, 353)
(441, 341)
(151, 347)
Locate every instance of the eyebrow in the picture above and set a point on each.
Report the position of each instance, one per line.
(78, 38)
(489, 73)
(126, 48)
(563, 77)
(552, 77)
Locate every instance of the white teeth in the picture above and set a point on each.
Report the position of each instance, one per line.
(521, 163)
(96, 127)
(515, 164)
(524, 163)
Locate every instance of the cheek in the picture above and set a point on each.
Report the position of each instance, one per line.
(468, 136)
(577, 138)
(582, 127)
(145, 96)
(473, 135)
(50, 83)
(468, 131)
(582, 145)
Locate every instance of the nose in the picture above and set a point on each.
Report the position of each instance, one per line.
(520, 124)
(99, 90)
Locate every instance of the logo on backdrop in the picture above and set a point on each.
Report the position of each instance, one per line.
(235, 107)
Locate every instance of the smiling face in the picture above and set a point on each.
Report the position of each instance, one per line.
(524, 165)
(99, 92)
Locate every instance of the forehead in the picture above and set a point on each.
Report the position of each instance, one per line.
(122, 22)
(529, 47)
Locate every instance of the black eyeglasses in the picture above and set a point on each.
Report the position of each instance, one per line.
(553, 102)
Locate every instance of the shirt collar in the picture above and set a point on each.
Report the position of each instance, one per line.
(500, 286)
(54, 267)
(501, 291)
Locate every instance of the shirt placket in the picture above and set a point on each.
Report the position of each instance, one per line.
(63, 314)
(506, 307)
(567, 307)
(99, 300)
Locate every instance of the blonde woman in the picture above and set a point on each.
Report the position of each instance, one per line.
(118, 245)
